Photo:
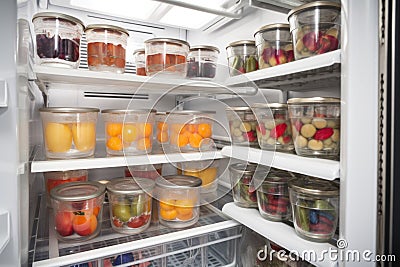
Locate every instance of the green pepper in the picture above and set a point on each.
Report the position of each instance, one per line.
(322, 205)
(303, 218)
(237, 63)
(251, 64)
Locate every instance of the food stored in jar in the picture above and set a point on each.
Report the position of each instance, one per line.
(206, 170)
(100, 53)
(56, 47)
(202, 61)
(242, 125)
(242, 57)
(140, 62)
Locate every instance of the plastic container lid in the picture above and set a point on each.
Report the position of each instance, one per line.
(128, 111)
(56, 15)
(313, 100)
(138, 51)
(68, 110)
(242, 42)
(314, 186)
(276, 176)
(106, 27)
(192, 112)
(167, 40)
(238, 108)
(249, 168)
(77, 191)
(204, 47)
(270, 105)
(312, 5)
(275, 26)
(178, 181)
(130, 185)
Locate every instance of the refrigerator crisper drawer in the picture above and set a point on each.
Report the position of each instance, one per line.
(213, 241)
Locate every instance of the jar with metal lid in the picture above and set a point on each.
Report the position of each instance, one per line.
(273, 196)
(130, 204)
(274, 45)
(315, 126)
(106, 47)
(179, 200)
(69, 132)
(315, 28)
(128, 132)
(140, 61)
(206, 170)
(274, 131)
(167, 56)
(242, 126)
(58, 39)
(243, 189)
(315, 205)
(202, 62)
(162, 134)
(242, 57)
(77, 210)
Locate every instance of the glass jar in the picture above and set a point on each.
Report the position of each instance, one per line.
(206, 170)
(315, 28)
(140, 59)
(58, 39)
(179, 200)
(77, 210)
(167, 56)
(149, 171)
(69, 132)
(315, 205)
(315, 126)
(106, 47)
(273, 196)
(242, 57)
(242, 126)
(130, 204)
(202, 62)
(128, 132)
(162, 134)
(274, 45)
(274, 131)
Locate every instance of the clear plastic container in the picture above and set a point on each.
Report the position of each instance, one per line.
(128, 132)
(179, 199)
(274, 45)
(273, 196)
(106, 47)
(206, 170)
(69, 132)
(202, 62)
(150, 171)
(58, 39)
(77, 210)
(166, 55)
(130, 204)
(242, 126)
(140, 61)
(274, 131)
(315, 28)
(315, 205)
(191, 130)
(242, 57)
(315, 126)
(162, 134)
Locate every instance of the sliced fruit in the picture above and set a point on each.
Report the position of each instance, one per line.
(58, 137)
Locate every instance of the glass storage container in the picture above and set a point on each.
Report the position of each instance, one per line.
(69, 132)
(202, 62)
(274, 131)
(179, 199)
(166, 55)
(130, 204)
(315, 28)
(162, 134)
(58, 39)
(106, 47)
(274, 45)
(149, 171)
(128, 132)
(315, 126)
(140, 61)
(315, 205)
(77, 210)
(242, 57)
(206, 170)
(242, 126)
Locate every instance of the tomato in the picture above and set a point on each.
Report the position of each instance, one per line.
(135, 222)
(84, 224)
(64, 223)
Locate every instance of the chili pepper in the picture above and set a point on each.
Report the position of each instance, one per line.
(323, 134)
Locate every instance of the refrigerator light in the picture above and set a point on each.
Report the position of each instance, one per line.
(187, 18)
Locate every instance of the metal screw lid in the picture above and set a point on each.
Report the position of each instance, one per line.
(242, 42)
(313, 100)
(56, 15)
(204, 47)
(106, 27)
(275, 26)
(167, 40)
(314, 186)
(314, 4)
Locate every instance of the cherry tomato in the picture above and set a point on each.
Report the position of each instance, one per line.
(135, 222)
(64, 223)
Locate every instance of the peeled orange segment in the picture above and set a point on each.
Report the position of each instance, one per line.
(58, 137)
(84, 135)
(195, 140)
(130, 133)
(114, 143)
(114, 129)
(204, 130)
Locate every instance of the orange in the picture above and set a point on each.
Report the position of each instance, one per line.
(192, 128)
(96, 210)
(162, 126)
(84, 135)
(195, 140)
(114, 129)
(167, 204)
(144, 144)
(130, 133)
(185, 216)
(145, 129)
(168, 214)
(183, 140)
(204, 130)
(58, 137)
(114, 143)
(162, 137)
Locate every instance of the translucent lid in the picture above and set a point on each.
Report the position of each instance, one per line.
(77, 191)
(130, 185)
(106, 27)
(68, 110)
(314, 186)
(276, 26)
(204, 47)
(242, 42)
(178, 181)
(276, 176)
(238, 108)
(312, 100)
(138, 51)
(128, 111)
(313, 5)
(56, 15)
(270, 105)
(249, 168)
(167, 40)
(190, 112)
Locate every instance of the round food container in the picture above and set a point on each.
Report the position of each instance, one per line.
(128, 132)
(315, 205)
(273, 196)
(150, 171)
(274, 45)
(242, 126)
(315, 28)
(274, 131)
(241, 175)
(106, 47)
(69, 132)
(191, 130)
(140, 61)
(206, 170)
(202, 62)
(315, 126)
(162, 134)
(130, 204)
(58, 38)
(242, 57)
(166, 55)
(178, 198)
(77, 210)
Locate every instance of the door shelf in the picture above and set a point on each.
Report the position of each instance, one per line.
(280, 233)
(321, 168)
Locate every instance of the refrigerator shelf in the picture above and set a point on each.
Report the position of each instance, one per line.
(281, 233)
(321, 168)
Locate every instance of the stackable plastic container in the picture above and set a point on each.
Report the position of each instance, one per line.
(242, 126)
(206, 170)
(242, 57)
(149, 171)
(202, 62)
(140, 61)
